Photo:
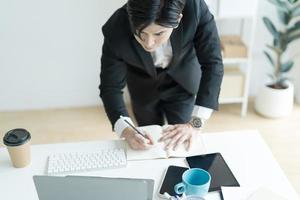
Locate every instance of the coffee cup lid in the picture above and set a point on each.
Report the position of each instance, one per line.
(16, 137)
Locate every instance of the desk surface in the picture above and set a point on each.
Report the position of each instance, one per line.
(244, 151)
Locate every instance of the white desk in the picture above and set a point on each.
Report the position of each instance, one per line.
(245, 152)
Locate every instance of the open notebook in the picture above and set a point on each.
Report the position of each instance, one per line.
(157, 151)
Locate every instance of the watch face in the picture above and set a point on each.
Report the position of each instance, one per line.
(196, 122)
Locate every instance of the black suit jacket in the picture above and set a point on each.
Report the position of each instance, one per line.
(196, 64)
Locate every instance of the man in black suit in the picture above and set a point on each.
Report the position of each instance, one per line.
(168, 54)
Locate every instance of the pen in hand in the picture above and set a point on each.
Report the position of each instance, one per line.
(133, 127)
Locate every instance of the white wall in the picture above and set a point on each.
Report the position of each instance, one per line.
(50, 52)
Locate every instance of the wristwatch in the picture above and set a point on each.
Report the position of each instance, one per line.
(196, 122)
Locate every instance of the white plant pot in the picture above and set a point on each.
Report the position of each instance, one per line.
(275, 103)
(298, 96)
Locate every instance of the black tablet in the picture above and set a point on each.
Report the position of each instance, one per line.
(221, 175)
(172, 176)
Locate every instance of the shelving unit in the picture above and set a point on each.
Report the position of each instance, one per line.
(245, 13)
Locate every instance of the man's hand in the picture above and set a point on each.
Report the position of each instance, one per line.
(136, 141)
(177, 134)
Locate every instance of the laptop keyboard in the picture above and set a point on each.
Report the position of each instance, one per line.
(86, 161)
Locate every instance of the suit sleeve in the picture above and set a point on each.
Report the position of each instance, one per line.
(113, 80)
(208, 49)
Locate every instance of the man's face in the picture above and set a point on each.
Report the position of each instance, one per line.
(153, 36)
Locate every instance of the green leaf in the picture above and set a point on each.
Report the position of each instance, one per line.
(297, 24)
(285, 67)
(281, 5)
(293, 37)
(293, 1)
(285, 17)
(270, 26)
(293, 33)
(269, 58)
(295, 27)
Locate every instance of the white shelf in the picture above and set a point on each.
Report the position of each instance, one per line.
(237, 10)
(230, 61)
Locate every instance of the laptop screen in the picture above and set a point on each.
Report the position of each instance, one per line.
(92, 188)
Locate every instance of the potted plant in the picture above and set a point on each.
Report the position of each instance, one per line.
(276, 98)
(298, 95)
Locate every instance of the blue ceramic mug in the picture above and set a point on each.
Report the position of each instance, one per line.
(195, 181)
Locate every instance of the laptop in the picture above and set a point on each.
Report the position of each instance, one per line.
(92, 188)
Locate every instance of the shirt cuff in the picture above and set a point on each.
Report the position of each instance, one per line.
(120, 125)
(202, 112)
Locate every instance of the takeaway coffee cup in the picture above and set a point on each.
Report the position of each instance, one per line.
(17, 142)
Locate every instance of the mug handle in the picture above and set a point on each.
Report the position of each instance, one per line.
(179, 188)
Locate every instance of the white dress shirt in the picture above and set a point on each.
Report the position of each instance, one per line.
(162, 56)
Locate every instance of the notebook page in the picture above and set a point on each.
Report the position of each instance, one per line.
(157, 151)
(197, 148)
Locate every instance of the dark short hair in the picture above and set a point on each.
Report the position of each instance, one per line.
(162, 12)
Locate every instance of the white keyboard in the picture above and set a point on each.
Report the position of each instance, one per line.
(86, 161)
